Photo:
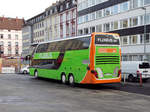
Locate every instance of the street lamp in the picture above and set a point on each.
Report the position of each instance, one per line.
(145, 56)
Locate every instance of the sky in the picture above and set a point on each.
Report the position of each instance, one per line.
(23, 8)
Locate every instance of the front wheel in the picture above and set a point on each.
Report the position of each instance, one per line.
(25, 72)
(71, 80)
(144, 80)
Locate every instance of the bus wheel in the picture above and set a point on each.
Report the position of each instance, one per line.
(63, 78)
(130, 78)
(36, 74)
(71, 80)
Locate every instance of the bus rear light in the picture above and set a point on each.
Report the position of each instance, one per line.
(138, 72)
(95, 73)
(119, 73)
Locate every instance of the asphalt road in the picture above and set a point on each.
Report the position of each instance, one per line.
(19, 93)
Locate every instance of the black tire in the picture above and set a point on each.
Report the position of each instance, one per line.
(144, 80)
(71, 80)
(63, 79)
(36, 74)
(130, 78)
(25, 72)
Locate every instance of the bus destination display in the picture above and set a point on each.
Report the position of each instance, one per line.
(106, 39)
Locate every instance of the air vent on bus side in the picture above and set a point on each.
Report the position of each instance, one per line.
(107, 60)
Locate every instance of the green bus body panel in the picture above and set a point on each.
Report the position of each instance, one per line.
(49, 55)
(108, 69)
(72, 63)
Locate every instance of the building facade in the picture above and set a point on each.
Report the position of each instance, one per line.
(26, 39)
(68, 18)
(126, 17)
(52, 21)
(10, 37)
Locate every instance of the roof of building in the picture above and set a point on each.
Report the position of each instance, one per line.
(11, 23)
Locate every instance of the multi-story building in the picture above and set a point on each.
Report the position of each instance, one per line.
(38, 28)
(52, 22)
(33, 32)
(68, 18)
(126, 17)
(26, 39)
(11, 37)
(61, 19)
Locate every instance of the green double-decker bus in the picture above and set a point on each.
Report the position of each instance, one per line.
(88, 59)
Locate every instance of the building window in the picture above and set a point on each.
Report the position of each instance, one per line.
(99, 28)
(92, 16)
(107, 11)
(124, 58)
(9, 43)
(134, 21)
(1, 43)
(86, 18)
(9, 36)
(17, 52)
(147, 18)
(115, 9)
(141, 20)
(106, 27)
(147, 38)
(99, 14)
(134, 3)
(67, 30)
(9, 51)
(125, 40)
(74, 14)
(16, 37)
(135, 58)
(141, 38)
(86, 30)
(16, 44)
(124, 6)
(1, 36)
(146, 2)
(115, 25)
(141, 58)
(80, 32)
(92, 29)
(91, 3)
(124, 23)
(133, 39)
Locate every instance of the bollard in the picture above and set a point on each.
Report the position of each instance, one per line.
(124, 78)
(141, 83)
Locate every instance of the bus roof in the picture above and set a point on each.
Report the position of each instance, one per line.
(65, 39)
(96, 33)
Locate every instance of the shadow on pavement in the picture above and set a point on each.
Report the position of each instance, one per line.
(127, 87)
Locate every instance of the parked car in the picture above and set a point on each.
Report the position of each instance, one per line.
(25, 70)
(133, 69)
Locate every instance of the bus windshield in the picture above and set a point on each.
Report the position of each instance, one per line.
(107, 39)
(144, 65)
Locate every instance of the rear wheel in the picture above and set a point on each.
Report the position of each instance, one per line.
(36, 74)
(144, 80)
(63, 78)
(130, 78)
(71, 80)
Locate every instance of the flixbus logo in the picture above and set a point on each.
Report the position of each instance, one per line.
(43, 56)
